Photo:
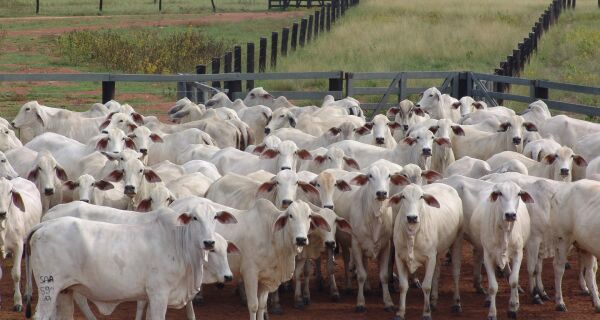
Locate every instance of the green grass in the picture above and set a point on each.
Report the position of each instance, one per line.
(18, 8)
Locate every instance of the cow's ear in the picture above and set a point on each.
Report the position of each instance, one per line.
(269, 154)
(232, 248)
(144, 205)
(105, 123)
(431, 200)
(343, 225)
(431, 175)
(60, 173)
(369, 125)
(18, 201)
(308, 188)
(267, 187)
(115, 176)
(71, 184)
(394, 125)
(280, 222)
(440, 141)
(342, 185)
(419, 112)
(129, 143)
(579, 160)
(102, 143)
(392, 111)
(103, 185)
(350, 162)
(549, 159)
(478, 105)
(320, 222)
(138, 118)
(395, 199)
(530, 126)
(304, 154)
(399, 179)
(151, 176)
(494, 195)
(225, 217)
(526, 197)
(360, 180)
(504, 127)
(409, 141)
(363, 130)
(434, 129)
(32, 176)
(156, 138)
(132, 126)
(259, 148)
(456, 105)
(458, 130)
(292, 121)
(335, 131)
(319, 159)
(185, 218)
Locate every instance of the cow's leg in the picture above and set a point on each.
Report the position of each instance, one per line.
(365, 263)
(275, 305)
(83, 305)
(513, 304)
(158, 302)
(533, 249)
(139, 309)
(584, 288)
(347, 274)
(477, 263)
(588, 260)
(333, 289)
(384, 262)
(560, 258)
(199, 298)
(306, 291)
(426, 286)
(189, 311)
(361, 275)
(16, 277)
(492, 284)
(433, 297)
(251, 288)
(318, 274)
(538, 280)
(456, 263)
(403, 284)
(263, 297)
(47, 300)
(64, 306)
(298, 278)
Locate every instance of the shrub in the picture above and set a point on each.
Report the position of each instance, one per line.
(140, 50)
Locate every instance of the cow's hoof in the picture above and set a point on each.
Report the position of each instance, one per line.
(266, 316)
(597, 309)
(537, 300)
(198, 301)
(584, 292)
(299, 305)
(389, 309)
(492, 318)
(320, 286)
(511, 314)
(456, 308)
(426, 318)
(306, 301)
(360, 309)
(545, 296)
(17, 308)
(487, 303)
(277, 310)
(521, 291)
(398, 318)
(568, 266)
(391, 287)
(479, 289)
(415, 284)
(335, 297)
(561, 307)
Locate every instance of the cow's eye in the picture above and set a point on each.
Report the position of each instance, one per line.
(27, 109)
(141, 170)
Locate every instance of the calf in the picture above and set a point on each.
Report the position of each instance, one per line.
(47, 175)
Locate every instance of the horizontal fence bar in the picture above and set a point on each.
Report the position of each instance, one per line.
(299, 95)
(552, 104)
(568, 87)
(408, 74)
(504, 79)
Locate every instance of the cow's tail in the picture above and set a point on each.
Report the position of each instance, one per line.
(28, 272)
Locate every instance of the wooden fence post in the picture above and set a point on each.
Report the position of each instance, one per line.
(100, 6)
(343, 8)
(574, 3)
(37, 6)
(262, 55)
(108, 91)
(535, 91)
(201, 96)
(236, 86)
(227, 67)
(328, 17)
(284, 41)
(159, 5)
(333, 11)
(317, 22)
(322, 20)
(309, 29)
(294, 36)
(216, 68)
(274, 38)
(249, 64)
(303, 23)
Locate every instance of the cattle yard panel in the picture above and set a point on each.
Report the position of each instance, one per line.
(339, 84)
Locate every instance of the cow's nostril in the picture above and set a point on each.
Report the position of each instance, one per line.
(328, 207)
(301, 241)
(516, 140)
(209, 244)
(267, 130)
(412, 219)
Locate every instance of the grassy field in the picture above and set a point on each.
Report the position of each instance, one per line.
(18, 8)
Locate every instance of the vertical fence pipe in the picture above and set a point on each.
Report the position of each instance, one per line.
(201, 96)
(249, 64)
(108, 91)
(294, 36)
(274, 38)
(236, 86)
(328, 17)
(284, 41)
(227, 67)
(309, 29)
(37, 6)
(322, 20)
(262, 55)
(216, 69)
(303, 24)
(317, 22)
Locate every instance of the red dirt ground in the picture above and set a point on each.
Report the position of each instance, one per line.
(224, 304)
(137, 21)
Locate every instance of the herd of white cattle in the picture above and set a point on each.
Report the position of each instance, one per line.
(254, 189)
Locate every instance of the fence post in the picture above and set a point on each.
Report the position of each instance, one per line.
(328, 17)
(201, 96)
(517, 60)
(294, 36)
(227, 67)
(317, 22)
(337, 84)
(349, 76)
(463, 88)
(284, 41)
(249, 64)
(262, 55)
(535, 91)
(574, 3)
(236, 86)
(499, 86)
(303, 23)
(322, 20)
(309, 29)
(343, 8)
(108, 91)
(216, 68)
(100, 6)
(333, 11)
(37, 6)
(274, 38)
(160, 5)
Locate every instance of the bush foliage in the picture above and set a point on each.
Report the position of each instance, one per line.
(140, 51)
